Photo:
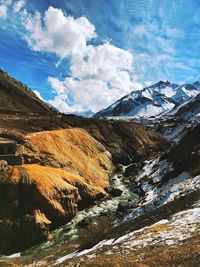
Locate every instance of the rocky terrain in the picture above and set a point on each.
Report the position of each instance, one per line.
(98, 192)
(43, 197)
(189, 110)
(154, 222)
(68, 163)
(17, 97)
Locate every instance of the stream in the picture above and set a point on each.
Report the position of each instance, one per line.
(107, 207)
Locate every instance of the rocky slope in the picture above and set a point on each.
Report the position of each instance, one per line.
(73, 150)
(152, 101)
(161, 229)
(186, 154)
(126, 141)
(33, 198)
(189, 110)
(36, 193)
(17, 97)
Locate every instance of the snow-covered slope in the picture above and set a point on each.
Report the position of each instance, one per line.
(197, 84)
(153, 101)
(190, 110)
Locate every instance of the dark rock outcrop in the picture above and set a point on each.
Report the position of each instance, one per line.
(186, 154)
(115, 192)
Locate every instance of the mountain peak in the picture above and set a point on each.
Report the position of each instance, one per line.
(155, 100)
(163, 82)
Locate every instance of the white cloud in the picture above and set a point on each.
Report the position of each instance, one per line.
(158, 43)
(4, 7)
(3, 11)
(101, 61)
(148, 83)
(18, 6)
(61, 104)
(99, 74)
(57, 85)
(99, 77)
(157, 38)
(58, 33)
(88, 94)
(38, 94)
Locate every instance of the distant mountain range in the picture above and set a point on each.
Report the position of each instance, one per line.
(86, 114)
(156, 100)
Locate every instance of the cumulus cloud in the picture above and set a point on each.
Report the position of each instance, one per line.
(87, 94)
(99, 74)
(61, 104)
(99, 78)
(101, 61)
(18, 6)
(58, 33)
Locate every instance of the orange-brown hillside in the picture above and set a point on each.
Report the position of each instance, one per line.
(49, 179)
(73, 150)
(35, 199)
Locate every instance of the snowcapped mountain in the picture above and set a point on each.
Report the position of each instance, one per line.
(197, 84)
(155, 100)
(189, 110)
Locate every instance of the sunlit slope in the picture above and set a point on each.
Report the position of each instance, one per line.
(73, 150)
(35, 198)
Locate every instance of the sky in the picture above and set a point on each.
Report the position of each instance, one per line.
(83, 55)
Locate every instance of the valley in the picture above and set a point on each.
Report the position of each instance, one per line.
(112, 191)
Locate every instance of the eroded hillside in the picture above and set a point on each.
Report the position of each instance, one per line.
(38, 198)
(160, 229)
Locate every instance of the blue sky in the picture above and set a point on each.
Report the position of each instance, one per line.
(85, 54)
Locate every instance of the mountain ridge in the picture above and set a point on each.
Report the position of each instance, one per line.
(152, 101)
(16, 97)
